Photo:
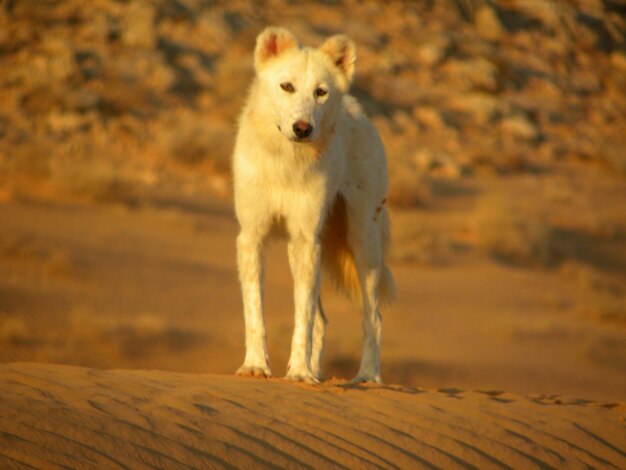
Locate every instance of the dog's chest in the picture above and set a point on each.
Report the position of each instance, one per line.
(294, 186)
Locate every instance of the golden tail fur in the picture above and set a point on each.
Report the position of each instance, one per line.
(338, 258)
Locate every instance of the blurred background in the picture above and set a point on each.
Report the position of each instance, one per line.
(505, 128)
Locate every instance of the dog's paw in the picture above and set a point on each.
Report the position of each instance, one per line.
(367, 378)
(301, 374)
(306, 377)
(317, 374)
(258, 372)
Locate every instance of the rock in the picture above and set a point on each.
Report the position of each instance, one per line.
(424, 159)
(616, 78)
(438, 163)
(60, 63)
(139, 25)
(429, 117)
(98, 29)
(89, 64)
(81, 100)
(481, 107)
(472, 74)
(543, 86)
(433, 49)
(487, 23)
(546, 13)
(519, 127)
(63, 123)
(618, 60)
(213, 30)
(404, 122)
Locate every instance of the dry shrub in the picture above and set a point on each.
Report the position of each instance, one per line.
(127, 338)
(15, 332)
(201, 144)
(513, 236)
(31, 159)
(407, 189)
(604, 294)
(35, 259)
(608, 351)
(416, 241)
(25, 169)
(613, 154)
(97, 181)
(233, 76)
(100, 340)
(608, 307)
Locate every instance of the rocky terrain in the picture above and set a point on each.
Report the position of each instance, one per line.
(99, 99)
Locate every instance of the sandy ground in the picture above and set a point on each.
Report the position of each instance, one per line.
(59, 416)
(155, 286)
(504, 127)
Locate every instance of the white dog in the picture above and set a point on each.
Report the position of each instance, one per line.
(308, 160)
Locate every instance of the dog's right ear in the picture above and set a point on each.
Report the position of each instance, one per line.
(271, 43)
(342, 52)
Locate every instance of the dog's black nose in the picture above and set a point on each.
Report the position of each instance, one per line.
(302, 129)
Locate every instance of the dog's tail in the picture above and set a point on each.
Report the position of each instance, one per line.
(338, 258)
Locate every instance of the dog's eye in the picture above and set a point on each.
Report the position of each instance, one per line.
(320, 92)
(288, 87)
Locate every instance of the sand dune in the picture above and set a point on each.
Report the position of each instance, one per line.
(52, 415)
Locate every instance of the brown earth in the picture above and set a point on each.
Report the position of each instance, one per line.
(155, 286)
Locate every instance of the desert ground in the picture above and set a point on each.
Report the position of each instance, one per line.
(120, 312)
(74, 417)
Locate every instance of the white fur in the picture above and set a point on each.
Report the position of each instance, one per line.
(279, 179)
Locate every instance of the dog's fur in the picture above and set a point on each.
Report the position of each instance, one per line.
(308, 159)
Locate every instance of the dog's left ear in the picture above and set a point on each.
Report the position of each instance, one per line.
(342, 52)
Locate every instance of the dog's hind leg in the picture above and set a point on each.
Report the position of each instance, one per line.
(368, 259)
(317, 348)
(369, 371)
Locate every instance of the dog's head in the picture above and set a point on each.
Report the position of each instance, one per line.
(304, 85)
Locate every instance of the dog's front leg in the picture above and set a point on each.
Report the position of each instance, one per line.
(304, 259)
(250, 264)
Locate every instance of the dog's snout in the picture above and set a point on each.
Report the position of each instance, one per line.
(302, 129)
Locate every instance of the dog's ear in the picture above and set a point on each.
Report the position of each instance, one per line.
(272, 42)
(342, 52)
